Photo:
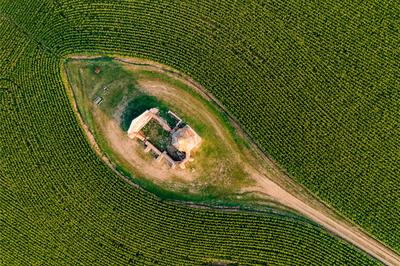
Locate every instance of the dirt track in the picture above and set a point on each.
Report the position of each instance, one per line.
(281, 195)
(277, 186)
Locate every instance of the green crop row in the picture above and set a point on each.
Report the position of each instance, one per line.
(61, 205)
(316, 86)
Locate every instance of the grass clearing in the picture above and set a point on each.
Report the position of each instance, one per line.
(217, 168)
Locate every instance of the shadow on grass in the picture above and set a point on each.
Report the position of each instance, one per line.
(140, 104)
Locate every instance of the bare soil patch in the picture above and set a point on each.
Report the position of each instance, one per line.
(133, 155)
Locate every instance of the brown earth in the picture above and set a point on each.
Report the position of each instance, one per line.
(133, 155)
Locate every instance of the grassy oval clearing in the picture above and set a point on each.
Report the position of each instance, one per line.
(110, 93)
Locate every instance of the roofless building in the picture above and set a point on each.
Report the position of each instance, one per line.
(183, 140)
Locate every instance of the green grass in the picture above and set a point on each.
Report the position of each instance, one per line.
(157, 135)
(136, 106)
(316, 84)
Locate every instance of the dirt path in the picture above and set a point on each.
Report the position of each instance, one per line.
(133, 154)
(338, 227)
(284, 191)
(277, 186)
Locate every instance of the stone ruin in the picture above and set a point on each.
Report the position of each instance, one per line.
(182, 138)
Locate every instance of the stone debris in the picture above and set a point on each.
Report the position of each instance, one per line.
(186, 139)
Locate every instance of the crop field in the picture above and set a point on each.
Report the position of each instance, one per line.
(60, 205)
(316, 85)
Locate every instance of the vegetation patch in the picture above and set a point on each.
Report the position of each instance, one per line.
(157, 135)
(141, 103)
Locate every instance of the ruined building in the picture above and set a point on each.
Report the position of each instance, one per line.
(183, 139)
